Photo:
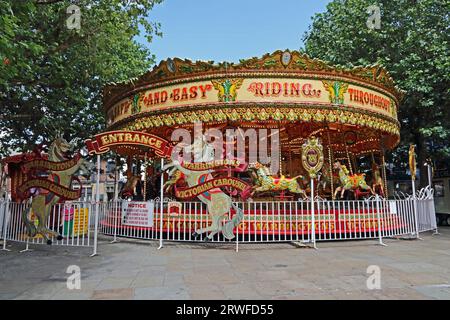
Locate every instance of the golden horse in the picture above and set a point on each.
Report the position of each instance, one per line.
(377, 180)
(129, 188)
(350, 182)
(266, 182)
(41, 204)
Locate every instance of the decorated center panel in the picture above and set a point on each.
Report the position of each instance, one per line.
(237, 90)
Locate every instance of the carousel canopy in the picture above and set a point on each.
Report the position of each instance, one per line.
(354, 107)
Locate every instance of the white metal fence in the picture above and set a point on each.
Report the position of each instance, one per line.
(80, 222)
(424, 202)
(2, 218)
(374, 218)
(426, 215)
(74, 221)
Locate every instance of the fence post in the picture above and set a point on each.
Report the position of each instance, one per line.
(116, 217)
(313, 218)
(237, 230)
(433, 215)
(380, 236)
(161, 209)
(95, 229)
(2, 215)
(26, 247)
(116, 202)
(97, 201)
(416, 217)
(5, 225)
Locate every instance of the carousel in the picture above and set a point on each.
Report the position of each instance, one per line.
(351, 114)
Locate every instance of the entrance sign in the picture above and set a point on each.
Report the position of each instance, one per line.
(103, 142)
(138, 214)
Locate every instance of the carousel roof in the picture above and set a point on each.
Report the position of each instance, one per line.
(280, 89)
(176, 68)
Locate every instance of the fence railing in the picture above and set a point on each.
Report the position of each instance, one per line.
(426, 214)
(262, 222)
(74, 221)
(2, 218)
(281, 221)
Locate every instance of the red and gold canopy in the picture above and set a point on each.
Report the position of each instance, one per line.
(352, 109)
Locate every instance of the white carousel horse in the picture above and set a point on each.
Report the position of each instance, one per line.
(218, 203)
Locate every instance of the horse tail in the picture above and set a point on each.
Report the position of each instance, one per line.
(227, 229)
(30, 227)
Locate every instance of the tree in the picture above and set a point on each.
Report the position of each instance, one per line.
(52, 74)
(413, 45)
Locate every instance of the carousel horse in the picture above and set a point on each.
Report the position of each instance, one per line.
(266, 182)
(175, 176)
(352, 182)
(218, 203)
(377, 180)
(325, 180)
(129, 188)
(42, 203)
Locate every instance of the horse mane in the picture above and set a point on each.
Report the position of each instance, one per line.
(344, 168)
(52, 149)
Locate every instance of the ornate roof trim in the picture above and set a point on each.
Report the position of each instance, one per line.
(278, 61)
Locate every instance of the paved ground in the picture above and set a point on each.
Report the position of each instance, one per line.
(338, 270)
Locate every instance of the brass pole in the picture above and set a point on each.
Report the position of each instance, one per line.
(384, 176)
(348, 159)
(330, 160)
(281, 158)
(347, 154)
(145, 177)
(290, 160)
(129, 167)
(354, 162)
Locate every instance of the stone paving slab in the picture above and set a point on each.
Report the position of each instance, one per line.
(113, 294)
(137, 270)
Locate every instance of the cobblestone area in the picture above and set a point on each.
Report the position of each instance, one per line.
(410, 269)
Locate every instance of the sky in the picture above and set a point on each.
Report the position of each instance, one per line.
(229, 30)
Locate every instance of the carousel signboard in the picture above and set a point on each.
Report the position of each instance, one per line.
(138, 214)
(54, 187)
(215, 165)
(103, 142)
(35, 174)
(42, 164)
(288, 91)
(312, 156)
(206, 187)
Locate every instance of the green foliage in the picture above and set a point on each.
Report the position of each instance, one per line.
(51, 78)
(413, 44)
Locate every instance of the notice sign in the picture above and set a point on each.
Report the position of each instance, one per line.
(81, 222)
(138, 214)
